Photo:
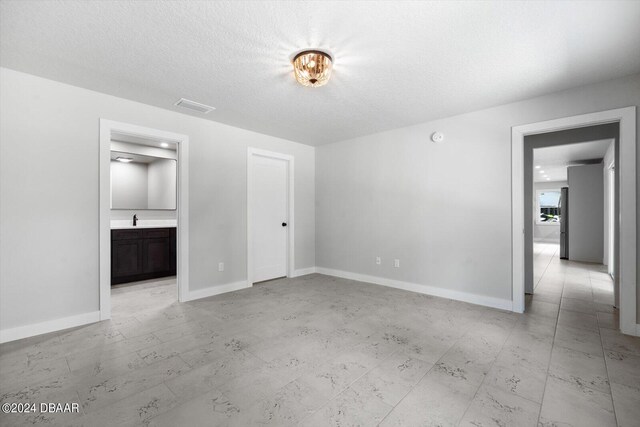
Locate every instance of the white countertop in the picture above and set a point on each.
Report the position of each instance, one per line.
(119, 224)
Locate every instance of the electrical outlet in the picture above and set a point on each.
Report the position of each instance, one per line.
(378, 260)
(396, 263)
(221, 266)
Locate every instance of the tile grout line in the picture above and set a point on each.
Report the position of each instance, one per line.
(553, 341)
(348, 386)
(418, 382)
(545, 269)
(66, 359)
(426, 373)
(606, 364)
(555, 331)
(485, 375)
(101, 408)
(341, 391)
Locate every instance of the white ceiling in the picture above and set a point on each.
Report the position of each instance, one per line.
(553, 161)
(136, 158)
(396, 64)
(139, 140)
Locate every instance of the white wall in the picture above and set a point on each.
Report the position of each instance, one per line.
(549, 233)
(162, 175)
(393, 194)
(586, 219)
(443, 209)
(129, 184)
(49, 214)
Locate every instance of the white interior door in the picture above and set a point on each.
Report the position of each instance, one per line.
(269, 217)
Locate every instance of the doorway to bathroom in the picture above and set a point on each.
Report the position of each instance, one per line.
(143, 219)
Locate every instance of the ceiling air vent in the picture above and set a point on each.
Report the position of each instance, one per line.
(195, 106)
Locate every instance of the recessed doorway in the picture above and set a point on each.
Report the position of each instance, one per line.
(625, 256)
(143, 213)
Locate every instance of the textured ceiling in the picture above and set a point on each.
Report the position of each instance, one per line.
(396, 63)
(555, 160)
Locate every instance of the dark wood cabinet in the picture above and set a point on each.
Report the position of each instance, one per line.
(147, 253)
(126, 258)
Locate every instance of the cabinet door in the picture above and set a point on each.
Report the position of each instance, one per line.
(174, 254)
(157, 255)
(126, 258)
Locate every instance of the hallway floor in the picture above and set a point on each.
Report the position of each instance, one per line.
(319, 351)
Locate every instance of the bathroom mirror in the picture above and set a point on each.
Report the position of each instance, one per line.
(142, 182)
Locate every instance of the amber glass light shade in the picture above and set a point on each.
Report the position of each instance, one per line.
(312, 68)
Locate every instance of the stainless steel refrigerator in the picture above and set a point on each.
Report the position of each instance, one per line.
(564, 223)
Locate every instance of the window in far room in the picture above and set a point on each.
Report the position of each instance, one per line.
(548, 206)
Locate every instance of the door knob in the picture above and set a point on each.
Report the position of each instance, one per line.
(284, 224)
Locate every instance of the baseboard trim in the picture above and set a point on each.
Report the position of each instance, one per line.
(492, 302)
(13, 334)
(304, 271)
(230, 287)
(216, 290)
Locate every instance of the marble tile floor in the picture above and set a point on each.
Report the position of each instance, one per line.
(323, 351)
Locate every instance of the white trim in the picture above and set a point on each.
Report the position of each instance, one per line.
(26, 331)
(627, 157)
(493, 302)
(304, 271)
(216, 290)
(291, 220)
(182, 212)
(610, 227)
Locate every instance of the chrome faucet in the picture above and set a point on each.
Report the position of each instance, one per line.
(135, 220)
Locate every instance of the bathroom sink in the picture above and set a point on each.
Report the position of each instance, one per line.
(118, 224)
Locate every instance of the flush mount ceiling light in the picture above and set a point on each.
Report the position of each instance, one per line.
(312, 68)
(124, 159)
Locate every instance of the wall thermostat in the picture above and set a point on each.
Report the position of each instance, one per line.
(437, 137)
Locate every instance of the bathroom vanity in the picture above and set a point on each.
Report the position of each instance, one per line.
(143, 183)
(141, 253)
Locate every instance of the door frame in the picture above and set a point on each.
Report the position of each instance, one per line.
(182, 208)
(626, 117)
(611, 204)
(251, 152)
